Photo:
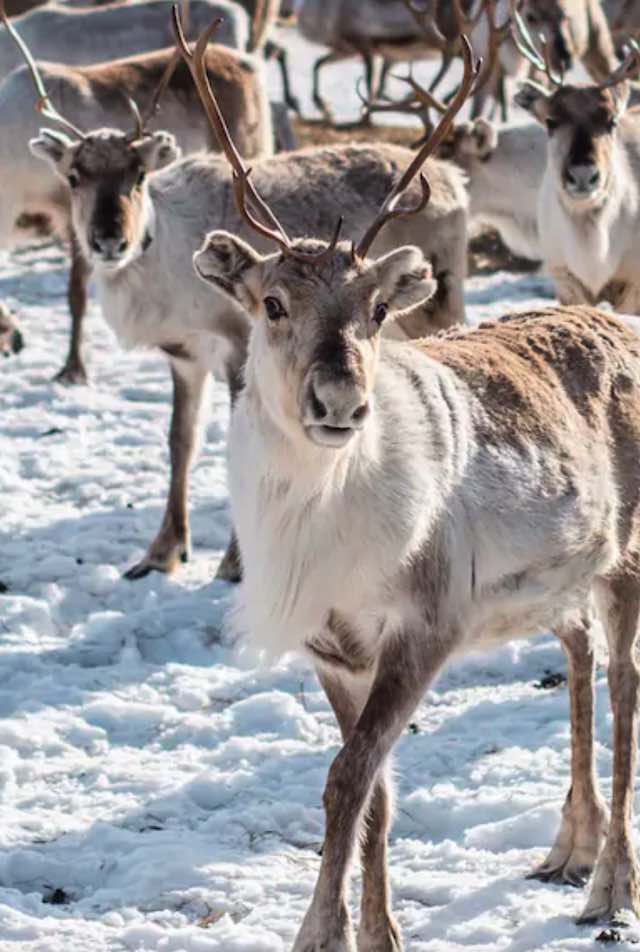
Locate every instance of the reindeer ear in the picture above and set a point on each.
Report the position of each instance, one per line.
(405, 278)
(620, 94)
(51, 146)
(157, 150)
(232, 266)
(484, 137)
(533, 98)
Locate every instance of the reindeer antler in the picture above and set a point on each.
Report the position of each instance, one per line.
(44, 104)
(244, 190)
(389, 209)
(527, 47)
(628, 69)
(142, 121)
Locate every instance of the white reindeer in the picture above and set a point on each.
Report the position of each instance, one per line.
(138, 229)
(589, 200)
(397, 504)
(97, 95)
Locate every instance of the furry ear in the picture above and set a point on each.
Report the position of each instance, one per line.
(157, 150)
(232, 266)
(620, 94)
(484, 138)
(51, 146)
(534, 99)
(405, 278)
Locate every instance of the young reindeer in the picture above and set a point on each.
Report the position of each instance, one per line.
(399, 503)
(589, 200)
(138, 229)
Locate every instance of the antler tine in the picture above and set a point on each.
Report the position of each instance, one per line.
(160, 90)
(389, 210)
(139, 130)
(628, 69)
(167, 74)
(424, 96)
(44, 104)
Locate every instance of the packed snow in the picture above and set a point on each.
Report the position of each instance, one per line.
(161, 793)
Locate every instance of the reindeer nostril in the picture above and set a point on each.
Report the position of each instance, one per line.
(358, 415)
(123, 245)
(595, 178)
(318, 407)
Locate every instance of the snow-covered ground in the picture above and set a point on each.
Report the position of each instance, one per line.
(160, 794)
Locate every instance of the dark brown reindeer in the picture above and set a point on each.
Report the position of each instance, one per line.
(397, 504)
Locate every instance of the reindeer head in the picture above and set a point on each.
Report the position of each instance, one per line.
(317, 325)
(581, 121)
(318, 307)
(105, 169)
(106, 172)
(582, 128)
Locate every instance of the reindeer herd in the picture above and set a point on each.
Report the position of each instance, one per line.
(403, 488)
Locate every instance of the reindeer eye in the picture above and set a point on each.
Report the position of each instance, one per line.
(612, 122)
(73, 178)
(552, 125)
(380, 312)
(141, 176)
(532, 18)
(274, 309)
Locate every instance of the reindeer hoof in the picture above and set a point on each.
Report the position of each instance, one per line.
(229, 570)
(615, 894)
(569, 874)
(72, 375)
(155, 563)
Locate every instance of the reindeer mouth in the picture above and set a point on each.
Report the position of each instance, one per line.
(333, 436)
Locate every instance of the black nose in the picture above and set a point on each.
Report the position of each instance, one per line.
(17, 342)
(107, 244)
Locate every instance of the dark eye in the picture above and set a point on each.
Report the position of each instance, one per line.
(274, 309)
(532, 18)
(380, 312)
(552, 125)
(141, 176)
(73, 178)
(612, 122)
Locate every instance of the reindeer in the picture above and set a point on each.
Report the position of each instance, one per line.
(101, 93)
(504, 167)
(589, 200)
(399, 31)
(397, 504)
(138, 226)
(82, 36)
(11, 340)
(623, 17)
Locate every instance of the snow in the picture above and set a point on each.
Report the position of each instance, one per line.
(160, 793)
